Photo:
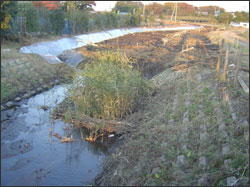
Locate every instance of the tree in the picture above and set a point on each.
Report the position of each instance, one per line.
(154, 8)
(136, 17)
(57, 20)
(168, 8)
(225, 18)
(241, 17)
(76, 12)
(185, 9)
(100, 21)
(45, 21)
(8, 11)
(32, 22)
(127, 6)
(50, 5)
(82, 22)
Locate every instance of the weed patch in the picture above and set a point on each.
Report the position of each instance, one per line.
(109, 87)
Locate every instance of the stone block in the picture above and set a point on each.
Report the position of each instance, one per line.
(234, 116)
(203, 137)
(17, 99)
(171, 122)
(203, 181)
(39, 90)
(181, 160)
(26, 95)
(226, 150)
(33, 92)
(227, 163)
(185, 121)
(57, 81)
(9, 104)
(231, 181)
(202, 162)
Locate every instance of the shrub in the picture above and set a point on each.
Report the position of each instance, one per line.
(109, 87)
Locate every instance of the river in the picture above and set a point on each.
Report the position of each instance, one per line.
(30, 156)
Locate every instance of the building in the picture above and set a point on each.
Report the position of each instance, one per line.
(244, 24)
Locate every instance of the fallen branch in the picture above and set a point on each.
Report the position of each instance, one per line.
(187, 49)
(109, 126)
(65, 139)
(93, 139)
(57, 135)
(105, 126)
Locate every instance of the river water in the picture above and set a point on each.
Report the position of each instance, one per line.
(30, 156)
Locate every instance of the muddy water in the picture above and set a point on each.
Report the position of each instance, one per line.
(30, 156)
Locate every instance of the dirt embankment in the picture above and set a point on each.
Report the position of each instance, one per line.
(150, 50)
(194, 130)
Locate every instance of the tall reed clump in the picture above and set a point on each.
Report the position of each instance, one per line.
(109, 87)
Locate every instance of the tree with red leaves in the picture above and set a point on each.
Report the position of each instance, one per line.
(50, 5)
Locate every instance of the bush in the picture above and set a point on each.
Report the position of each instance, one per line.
(109, 87)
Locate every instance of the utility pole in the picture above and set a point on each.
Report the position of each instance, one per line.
(174, 12)
(143, 9)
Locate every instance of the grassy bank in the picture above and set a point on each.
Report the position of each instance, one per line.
(187, 136)
(194, 131)
(21, 73)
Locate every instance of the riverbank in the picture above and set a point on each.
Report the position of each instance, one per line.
(193, 131)
(24, 75)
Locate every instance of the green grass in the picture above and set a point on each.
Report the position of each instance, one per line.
(109, 87)
(21, 72)
(7, 91)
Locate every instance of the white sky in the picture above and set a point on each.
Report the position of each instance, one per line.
(229, 6)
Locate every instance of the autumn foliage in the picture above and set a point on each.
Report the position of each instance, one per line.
(154, 8)
(50, 5)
